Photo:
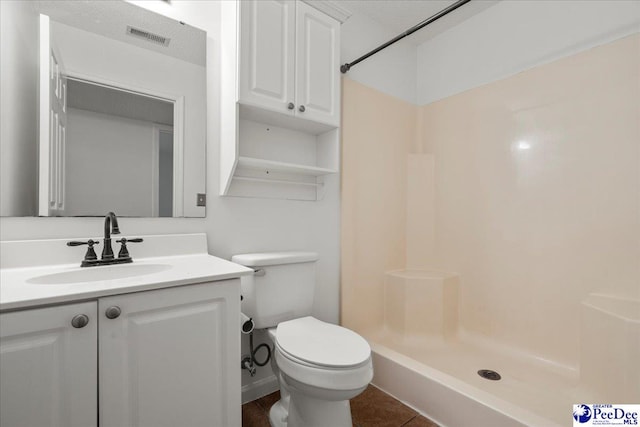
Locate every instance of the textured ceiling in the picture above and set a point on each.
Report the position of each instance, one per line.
(110, 19)
(400, 15)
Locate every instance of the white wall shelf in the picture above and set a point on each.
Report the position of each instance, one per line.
(278, 181)
(268, 166)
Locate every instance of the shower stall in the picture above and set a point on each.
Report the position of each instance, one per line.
(498, 229)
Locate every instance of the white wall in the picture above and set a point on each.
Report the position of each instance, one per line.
(513, 36)
(504, 39)
(109, 165)
(92, 56)
(233, 225)
(391, 71)
(18, 104)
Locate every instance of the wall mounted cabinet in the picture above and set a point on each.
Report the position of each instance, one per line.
(289, 57)
(280, 99)
(155, 358)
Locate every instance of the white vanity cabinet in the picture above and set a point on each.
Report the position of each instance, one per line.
(166, 357)
(49, 368)
(289, 59)
(170, 356)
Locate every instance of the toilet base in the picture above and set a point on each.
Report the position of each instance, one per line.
(278, 415)
(305, 411)
(321, 404)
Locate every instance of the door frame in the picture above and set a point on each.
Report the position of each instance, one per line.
(155, 169)
(178, 124)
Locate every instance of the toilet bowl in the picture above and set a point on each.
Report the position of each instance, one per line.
(320, 367)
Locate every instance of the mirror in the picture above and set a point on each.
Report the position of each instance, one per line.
(103, 108)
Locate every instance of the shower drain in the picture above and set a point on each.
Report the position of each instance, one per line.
(488, 374)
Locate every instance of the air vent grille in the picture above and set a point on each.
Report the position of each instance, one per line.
(146, 35)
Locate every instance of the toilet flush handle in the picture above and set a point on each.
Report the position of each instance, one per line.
(259, 272)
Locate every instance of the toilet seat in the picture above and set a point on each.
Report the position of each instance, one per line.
(315, 355)
(293, 359)
(304, 375)
(318, 344)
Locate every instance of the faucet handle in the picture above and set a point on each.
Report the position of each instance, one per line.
(124, 240)
(89, 242)
(124, 252)
(90, 256)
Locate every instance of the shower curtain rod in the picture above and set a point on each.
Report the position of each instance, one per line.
(346, 67)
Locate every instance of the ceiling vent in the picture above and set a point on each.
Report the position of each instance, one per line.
(146, 35)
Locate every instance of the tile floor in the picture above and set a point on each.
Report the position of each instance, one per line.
(373, 408)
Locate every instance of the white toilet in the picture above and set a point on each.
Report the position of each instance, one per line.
(320, 366)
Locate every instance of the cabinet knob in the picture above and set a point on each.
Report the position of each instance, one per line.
(291, 106)
(301, 108)
(80, 321)
(112, 312)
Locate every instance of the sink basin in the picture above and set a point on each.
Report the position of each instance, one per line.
(98, 274)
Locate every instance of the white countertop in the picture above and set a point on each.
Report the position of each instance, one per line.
(17, 289)
(17, 292)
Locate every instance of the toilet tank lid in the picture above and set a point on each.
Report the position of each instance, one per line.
(274, 258)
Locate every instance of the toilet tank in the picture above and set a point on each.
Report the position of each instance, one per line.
(281, 288)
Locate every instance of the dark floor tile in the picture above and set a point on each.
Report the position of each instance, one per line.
(266, 402)
(254, 416)
(420, 421)
(374, 408)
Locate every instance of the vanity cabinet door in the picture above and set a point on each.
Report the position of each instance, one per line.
(48, 367)
(267, 54)
(170, 357)
(317, 65)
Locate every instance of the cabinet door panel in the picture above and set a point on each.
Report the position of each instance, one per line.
(164, 360)
(267, 53)
(48, 368)
(317, 65)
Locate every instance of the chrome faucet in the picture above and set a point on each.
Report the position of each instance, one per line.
(110, 227)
